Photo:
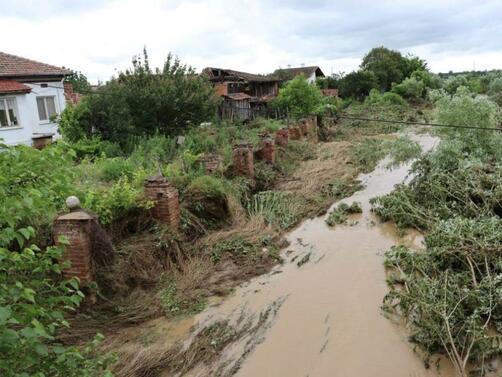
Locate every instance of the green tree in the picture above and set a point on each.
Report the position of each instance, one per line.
(299, 97)
(390, 66)
(142, 101)
(79, 82)
(411, 89)
(358, 84)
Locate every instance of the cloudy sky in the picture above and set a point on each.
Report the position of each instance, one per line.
(99, 37)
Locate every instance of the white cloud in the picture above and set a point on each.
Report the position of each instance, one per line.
(98, 37)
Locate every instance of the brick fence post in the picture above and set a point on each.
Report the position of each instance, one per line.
(282, 137)
(243, 160)
(304, 130)
(166, 207)
(268, 149)
(295, 133)
(76, 227)
(211, 162)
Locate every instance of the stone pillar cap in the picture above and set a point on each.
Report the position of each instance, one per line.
(73, 203)
(156, 179)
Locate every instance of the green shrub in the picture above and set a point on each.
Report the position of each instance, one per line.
(299, 97)
(115, 202)
(33, 187)
(411, 88)
(112, 169)
(33, 302)
(389, 98)
(339, 214)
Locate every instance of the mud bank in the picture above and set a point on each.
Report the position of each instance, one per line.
(328, 293)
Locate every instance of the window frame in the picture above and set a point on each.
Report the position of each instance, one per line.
(7, 115)
(44, 98)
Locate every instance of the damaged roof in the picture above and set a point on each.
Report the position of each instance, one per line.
(223, 74)
(238, 96)
(16, 66)
(291, 73)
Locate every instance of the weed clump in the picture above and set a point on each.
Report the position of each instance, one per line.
(339, 215)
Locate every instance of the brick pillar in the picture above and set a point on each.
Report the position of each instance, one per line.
(243, 159)
(76, 227)
(282, 137)
(211, 162)
(165, 196)
(295, 133)
(302, 124)
(312, 127)
(268, 149)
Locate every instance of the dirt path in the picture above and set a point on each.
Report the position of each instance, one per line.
(327, 298)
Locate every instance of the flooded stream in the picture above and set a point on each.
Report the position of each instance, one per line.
(326, 299)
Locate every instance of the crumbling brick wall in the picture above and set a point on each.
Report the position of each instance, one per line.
(282, 137)
(295, 133)
(166, 207)
(76, 227)
(302, 124)
(211, 162)
(268, 149)
(243, 159)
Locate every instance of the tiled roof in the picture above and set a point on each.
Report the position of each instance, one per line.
(15, 66)
(11, 86)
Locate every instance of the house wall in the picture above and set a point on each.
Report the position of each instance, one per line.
(312, 78)
(27, 110)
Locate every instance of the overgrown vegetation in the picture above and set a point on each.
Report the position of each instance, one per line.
(449, 293)
(340, 214)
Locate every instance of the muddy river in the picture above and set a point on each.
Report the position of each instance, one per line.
(324, 302)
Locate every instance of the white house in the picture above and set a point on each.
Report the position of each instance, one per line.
(31, 97)
(311, 73)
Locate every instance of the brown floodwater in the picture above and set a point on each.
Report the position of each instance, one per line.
(328, 319)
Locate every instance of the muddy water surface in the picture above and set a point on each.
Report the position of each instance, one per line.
(327, 297)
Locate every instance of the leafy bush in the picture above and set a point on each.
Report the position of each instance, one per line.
(115, 202)
(411, 89)
(463, 109)
(33, 186)
(389, 98)
(33, 302)
(299, 97)
(339, 214)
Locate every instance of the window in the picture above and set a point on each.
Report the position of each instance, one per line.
(8, 112)
(46, 108)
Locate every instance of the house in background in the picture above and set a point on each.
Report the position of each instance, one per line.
(244, 94)
(311, 73)
(31, 97)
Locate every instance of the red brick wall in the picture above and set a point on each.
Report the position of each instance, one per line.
(76, 227)
(295, 133)
(243, 159)
(166, 198)
(282, 137)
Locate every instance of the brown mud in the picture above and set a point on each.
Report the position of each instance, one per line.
(328, 293)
